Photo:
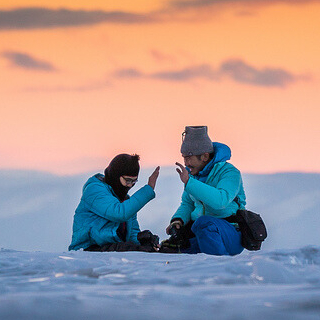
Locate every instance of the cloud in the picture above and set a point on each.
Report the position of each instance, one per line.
(35, 18)
(235, 69)
(189, 4)
(240, 71)
(129, 73)
(26, 61)
(202, 71)
(162, 57)
(44, 18)
(86, 87)
(186, 74)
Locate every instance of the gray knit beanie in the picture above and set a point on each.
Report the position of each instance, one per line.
(195, 141)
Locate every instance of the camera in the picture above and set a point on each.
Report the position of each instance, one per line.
(147, 238)
(176, 236)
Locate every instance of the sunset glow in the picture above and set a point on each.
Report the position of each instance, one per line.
(82, 84)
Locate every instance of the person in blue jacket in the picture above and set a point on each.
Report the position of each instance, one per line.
(106, 217)
(213, 191)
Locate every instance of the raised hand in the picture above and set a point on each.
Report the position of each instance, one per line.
(183, 173)
(153, 178)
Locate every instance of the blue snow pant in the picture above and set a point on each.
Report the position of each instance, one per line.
(214, 236)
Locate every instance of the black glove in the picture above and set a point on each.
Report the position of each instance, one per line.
(176, 235)
(147, 238)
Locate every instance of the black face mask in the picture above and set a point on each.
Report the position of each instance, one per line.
(121, 165)
(114, 181)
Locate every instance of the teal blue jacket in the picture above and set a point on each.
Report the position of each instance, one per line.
(216, 191)
(100, 212)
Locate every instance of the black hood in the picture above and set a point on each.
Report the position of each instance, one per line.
(121, 165)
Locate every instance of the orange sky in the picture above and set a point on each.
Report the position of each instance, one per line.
(75, 92)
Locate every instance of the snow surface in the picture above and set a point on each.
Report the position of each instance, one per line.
(280, 284)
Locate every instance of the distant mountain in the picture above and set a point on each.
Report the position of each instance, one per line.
(36, 208)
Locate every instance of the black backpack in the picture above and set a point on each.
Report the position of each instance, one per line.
(252, 227)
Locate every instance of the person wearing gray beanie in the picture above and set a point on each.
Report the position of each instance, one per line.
(196, 141)
(196, 148)
(213, 191)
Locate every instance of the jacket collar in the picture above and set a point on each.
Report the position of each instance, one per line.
(221, 153)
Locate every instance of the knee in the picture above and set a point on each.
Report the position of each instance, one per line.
(203, 222)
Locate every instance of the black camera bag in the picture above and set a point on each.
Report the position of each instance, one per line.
(252, 227)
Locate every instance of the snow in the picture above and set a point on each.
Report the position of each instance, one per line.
(280, 284)
(40, 280)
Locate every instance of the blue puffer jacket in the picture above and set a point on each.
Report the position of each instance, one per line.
(100, 212)
(215, 191)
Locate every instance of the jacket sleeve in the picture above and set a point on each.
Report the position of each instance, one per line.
(106, 205)
(185, 209)
(218, 197)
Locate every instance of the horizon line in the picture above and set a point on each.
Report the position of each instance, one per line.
(93, 171)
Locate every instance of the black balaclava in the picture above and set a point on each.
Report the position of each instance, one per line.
(121, 165)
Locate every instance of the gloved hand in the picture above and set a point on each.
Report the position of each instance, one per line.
(177, 224)
(178, 237)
